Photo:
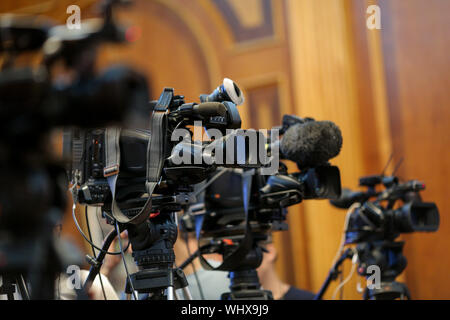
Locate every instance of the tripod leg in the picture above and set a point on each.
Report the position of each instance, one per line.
(22, 286)
(7, 288)
(406, 293)
(170, 287)
(187, 293)
(170, 293)
(181, 282)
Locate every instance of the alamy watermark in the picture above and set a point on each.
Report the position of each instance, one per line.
(73, 22)
(373, 21)
(374, 280)
(73, 280)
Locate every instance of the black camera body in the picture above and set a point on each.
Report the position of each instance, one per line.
(123, 191)
(269, 196)
(85, 151)
(371, 222)
(378, 217)
(240, 208)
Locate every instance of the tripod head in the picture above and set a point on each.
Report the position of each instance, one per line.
(152, 242)
(242, 255)
(388, 257)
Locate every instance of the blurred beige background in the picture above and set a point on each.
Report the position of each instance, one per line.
(387, 89)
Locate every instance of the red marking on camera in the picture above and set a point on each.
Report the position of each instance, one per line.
(228, 242)
(133, 34)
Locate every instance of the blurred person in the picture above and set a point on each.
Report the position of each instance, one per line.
(270, 280)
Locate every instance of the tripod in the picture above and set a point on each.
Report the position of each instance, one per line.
(388, 256)
(32, 263)
(41, 270)
(152, 243)
(12, 282)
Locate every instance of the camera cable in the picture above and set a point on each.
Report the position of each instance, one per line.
(347, 219)
(346, 280)
(200, 289)
(340, 256)
(124, 261)
(77, 225)
(93, 250)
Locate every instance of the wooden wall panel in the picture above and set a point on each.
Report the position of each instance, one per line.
(249, 20)
(416, 42)
(183, 66)
(325, 88)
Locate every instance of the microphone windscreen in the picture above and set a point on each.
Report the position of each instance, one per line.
(311, 143)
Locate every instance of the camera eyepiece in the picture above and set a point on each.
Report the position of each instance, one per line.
(227, 91)
(418, 217)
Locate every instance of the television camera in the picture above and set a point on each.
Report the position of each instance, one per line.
(239, 208)
(141, 178)
(374, 222)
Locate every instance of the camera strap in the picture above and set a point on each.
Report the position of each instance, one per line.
(156, 150)
(233, 261)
